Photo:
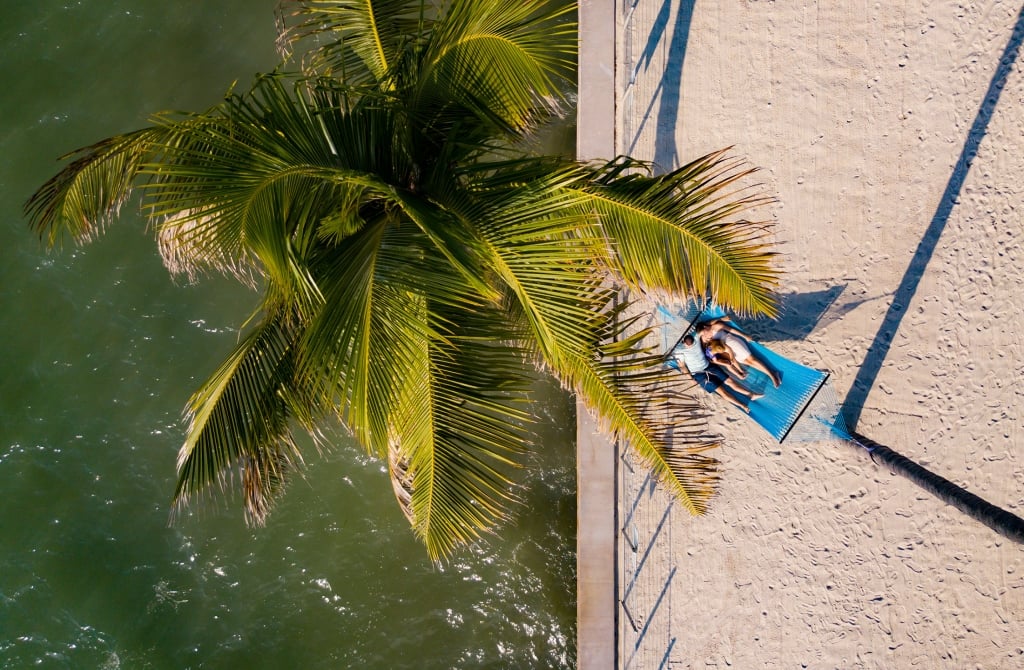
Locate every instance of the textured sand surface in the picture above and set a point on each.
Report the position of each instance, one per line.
(904, 266)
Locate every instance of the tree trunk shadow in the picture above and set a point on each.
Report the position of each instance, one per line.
(904, 293)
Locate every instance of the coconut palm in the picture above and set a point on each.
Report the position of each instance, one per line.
(416, 265)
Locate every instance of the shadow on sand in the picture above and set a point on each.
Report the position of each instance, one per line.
(799, 315)
(669, 88)
(904, 293)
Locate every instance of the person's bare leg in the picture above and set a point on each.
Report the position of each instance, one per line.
(728, 395)
(755, 362)
(736, 369)
(742, 390)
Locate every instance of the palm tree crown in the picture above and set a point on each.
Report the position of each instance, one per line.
(416, 264)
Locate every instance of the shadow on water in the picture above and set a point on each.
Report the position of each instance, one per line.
(904, 293)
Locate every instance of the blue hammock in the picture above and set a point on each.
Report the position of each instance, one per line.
(781, 409)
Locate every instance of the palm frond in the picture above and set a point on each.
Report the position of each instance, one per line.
(239, 422)
(545, 248)
(636, 399)
(459, 428)
(680, 233)
(358, 41)
(539, 244)
(87, 194)
(503, 61)
(260, 182)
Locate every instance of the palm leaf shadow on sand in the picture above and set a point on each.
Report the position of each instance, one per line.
(668, 91)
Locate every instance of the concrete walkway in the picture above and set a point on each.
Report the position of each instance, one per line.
(623, 610)
(596, 521)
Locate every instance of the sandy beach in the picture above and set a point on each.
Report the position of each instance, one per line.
(892, 136)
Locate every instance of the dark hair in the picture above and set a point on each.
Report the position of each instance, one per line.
(702, 326)
(688, 340)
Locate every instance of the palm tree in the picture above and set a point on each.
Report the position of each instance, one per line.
(416, 265)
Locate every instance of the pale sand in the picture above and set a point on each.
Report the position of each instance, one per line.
(813, 556)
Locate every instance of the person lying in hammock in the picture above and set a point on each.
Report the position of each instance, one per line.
(710, 376)
(720, 354)
(720, 330)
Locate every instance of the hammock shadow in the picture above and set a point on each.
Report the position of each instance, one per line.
(800, 314)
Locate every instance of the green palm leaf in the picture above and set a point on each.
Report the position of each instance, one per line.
(85, 196)
(239, 422)
(502, 61)
(417, 267)
(679, 233)
(460, 433)
(641, 402)
(358, 41)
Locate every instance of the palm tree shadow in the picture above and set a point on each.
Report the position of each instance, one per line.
(904, 293)
(666, 154)
(670, 86)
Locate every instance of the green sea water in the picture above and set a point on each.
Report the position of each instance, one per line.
(99, 351)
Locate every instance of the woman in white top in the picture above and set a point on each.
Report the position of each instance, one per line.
(720, 329)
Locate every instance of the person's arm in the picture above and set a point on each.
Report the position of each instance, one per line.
(731, 365)
(729, 328)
